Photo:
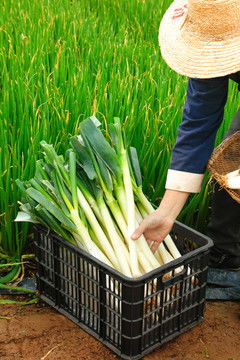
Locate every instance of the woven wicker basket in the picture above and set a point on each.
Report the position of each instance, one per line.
(226, 158)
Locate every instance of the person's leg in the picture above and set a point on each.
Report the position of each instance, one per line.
(224, 225)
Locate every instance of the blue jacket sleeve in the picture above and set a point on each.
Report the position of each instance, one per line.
(202, 116)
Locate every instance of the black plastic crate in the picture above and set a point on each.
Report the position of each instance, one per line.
(130, 316)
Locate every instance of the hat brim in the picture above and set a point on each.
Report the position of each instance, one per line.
(191, 56)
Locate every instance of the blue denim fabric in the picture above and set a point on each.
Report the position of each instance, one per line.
(202, 115)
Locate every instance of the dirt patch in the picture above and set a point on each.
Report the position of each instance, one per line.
(37, 332)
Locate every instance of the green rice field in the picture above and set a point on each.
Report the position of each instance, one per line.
(64, 60)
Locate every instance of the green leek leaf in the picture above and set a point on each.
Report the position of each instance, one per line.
(83, 157)
(135, 166)
(51, 207)
(100, 145)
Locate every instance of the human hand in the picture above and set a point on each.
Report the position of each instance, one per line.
(155, 228)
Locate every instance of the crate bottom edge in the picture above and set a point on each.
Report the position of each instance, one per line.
(107, 343)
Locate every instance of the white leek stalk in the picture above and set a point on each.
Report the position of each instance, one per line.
(172, 247)
(117, 242)
(130, 215)
(85, 240)
(232, 179)
(105, 245)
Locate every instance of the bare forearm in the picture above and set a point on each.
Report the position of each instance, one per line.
(172, 203)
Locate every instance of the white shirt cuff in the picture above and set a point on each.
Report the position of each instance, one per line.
(184, 181)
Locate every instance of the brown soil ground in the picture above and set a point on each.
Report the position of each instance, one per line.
(37, 332)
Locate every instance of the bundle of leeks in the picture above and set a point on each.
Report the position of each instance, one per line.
(93, 198)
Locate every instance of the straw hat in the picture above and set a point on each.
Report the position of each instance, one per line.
(201, 38)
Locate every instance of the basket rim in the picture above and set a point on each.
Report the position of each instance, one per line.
(213, 168)
(146, 277)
